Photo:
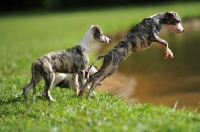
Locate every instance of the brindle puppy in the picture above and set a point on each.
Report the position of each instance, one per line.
(73, 60)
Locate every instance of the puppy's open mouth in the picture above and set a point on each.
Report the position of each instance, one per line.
(103, 42)
(178, 31)
(106, 42)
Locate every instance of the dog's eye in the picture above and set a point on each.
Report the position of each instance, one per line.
(178, 21)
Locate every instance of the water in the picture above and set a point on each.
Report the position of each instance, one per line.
(163, 81)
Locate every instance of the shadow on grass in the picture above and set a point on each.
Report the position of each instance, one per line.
(13, 100)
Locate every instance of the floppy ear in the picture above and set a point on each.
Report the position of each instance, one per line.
(175, 14)
(171, 14)
(96, 29)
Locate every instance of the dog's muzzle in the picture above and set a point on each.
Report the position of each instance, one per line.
(107, 40)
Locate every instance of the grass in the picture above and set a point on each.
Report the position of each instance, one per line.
(101, 113)
(26, 36)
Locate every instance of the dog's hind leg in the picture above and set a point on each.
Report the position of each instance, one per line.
(94, 85)
(90, 79)
(79, 80)
(98, 58)
(109, 70)
(27, 88)
(38, 78)
(31, 84)
(84, 88)
(49, 79)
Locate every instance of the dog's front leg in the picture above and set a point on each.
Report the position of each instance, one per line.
(164, 45)
(84, 88)
(75, 84)
(81, 79)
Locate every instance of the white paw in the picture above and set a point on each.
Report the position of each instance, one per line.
(48, 97)
(77, 91)
(168, 53)
(52, 100)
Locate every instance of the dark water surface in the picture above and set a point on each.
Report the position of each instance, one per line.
(165, 81)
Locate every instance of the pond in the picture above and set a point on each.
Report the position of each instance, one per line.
(146, 77)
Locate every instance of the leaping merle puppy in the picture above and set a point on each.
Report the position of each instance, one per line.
(141, 37)
(73, 60)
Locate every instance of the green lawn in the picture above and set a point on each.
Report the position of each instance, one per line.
(26, 36)
(99, 114)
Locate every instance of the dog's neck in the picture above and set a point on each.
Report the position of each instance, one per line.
(160, 18)
(87, 41)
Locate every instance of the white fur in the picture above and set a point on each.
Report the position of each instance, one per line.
(176, 28)
(69, 78)
(88, 40)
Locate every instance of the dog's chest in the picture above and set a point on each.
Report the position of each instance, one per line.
(144, 33)
(141, 43)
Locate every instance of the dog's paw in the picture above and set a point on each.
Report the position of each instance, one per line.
(76, 91)
(48, 97)
(168, 53)
(81, 93)
(89, 96)
(52, 100)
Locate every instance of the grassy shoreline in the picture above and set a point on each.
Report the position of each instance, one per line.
(101, 113)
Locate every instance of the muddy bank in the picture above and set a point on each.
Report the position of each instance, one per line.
(164, 82)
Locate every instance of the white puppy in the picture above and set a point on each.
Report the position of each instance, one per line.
(67, 80)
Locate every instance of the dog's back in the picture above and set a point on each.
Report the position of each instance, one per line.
(65, 61)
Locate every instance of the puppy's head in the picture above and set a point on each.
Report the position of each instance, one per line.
(173, 21)
(98, 35)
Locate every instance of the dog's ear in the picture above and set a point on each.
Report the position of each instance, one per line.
(96, 29)
(171, 14)
(175, 14)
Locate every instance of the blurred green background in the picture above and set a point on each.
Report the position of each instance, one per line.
(29, 29)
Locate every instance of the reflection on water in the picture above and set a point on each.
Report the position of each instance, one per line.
(163, 81)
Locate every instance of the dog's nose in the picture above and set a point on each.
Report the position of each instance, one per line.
(183, 30)
(109, 40)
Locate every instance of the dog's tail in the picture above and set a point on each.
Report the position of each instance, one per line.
(33, 79)
(98, 58)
